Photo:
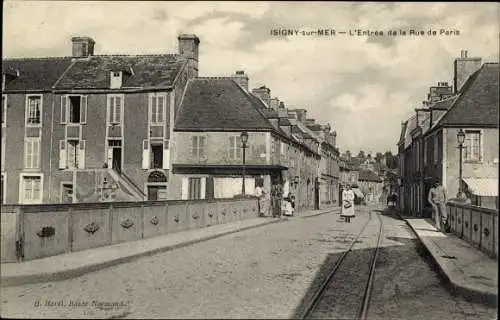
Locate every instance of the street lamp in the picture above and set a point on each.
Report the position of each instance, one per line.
(244, 139)
(460, 140)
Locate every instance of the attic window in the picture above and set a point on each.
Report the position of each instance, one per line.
(116, 79)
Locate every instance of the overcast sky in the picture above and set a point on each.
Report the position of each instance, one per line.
(363, 86)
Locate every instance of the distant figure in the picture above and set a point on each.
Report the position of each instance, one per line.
(288, 208)
(437, 198)
(392, 198)
(259, 193)
(347, 210)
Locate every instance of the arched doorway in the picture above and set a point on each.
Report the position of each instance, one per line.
(157, 186)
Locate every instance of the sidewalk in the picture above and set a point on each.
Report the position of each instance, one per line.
(469, 271)
(74, 264)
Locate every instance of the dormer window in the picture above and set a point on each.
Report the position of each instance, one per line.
(116, 79)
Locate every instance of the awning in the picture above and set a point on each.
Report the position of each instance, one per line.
(484, 187)
(358, 193)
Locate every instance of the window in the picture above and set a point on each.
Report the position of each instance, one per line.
(194, 188)
(3, 113)
(32, 153)
(157, 156)
(198, 146)
(235, 148)
(31, 191)
(67, 193)
(157, 108)
(115, 107)
(116, 80)
(472, 145)
(74, 109)
(33, 110)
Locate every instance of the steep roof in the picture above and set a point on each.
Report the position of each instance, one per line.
(478, 100)
(218, 104)
(143, 71)
(34, 73)
(403, 132)
(412, 124)
(367, 175)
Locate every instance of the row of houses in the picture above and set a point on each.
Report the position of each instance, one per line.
(93, 128)
(428, 149)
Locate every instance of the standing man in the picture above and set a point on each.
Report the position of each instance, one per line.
(437, 198)
(259, 193)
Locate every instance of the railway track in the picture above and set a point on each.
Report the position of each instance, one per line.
(334, 297)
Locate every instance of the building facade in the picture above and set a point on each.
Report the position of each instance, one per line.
(428, 147)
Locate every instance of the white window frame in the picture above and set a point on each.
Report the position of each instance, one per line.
(61, 185)
(154, 109)
(111, 116)
(83, 109)
(195, 150)
(22, 199)
(235, 148)
(26, 110)
(32, 164)
(4, 110)
(115, 79)
(470, 133)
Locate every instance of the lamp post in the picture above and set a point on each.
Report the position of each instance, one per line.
(460, 140)
(244, 139)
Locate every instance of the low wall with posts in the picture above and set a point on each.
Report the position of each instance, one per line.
(478, 226)
(36, 231)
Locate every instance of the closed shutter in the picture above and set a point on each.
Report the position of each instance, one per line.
(184, 188)
(83, 110)
(64, 108)
(81, 154)
(166, 155)
(203, 184)
(146, 162)
(62, 154)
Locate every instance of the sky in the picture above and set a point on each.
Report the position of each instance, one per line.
(364, 86)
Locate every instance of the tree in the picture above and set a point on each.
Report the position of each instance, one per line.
(361, 155)
(378, 157)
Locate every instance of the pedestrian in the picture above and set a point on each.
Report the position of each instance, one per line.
(259, 193)
(288, 207)
(437, 198)
(276, 195)
(347, 210)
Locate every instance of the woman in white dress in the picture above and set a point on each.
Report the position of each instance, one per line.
(347, 210)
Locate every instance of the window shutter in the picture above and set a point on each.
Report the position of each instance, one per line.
(166, 155)
(203, 187)
(111, 109)
(118, 110)
(81, 154)
(62, 154)
(184, 188)
(145, 155)
(83, 109)
(160, 108)
(64, 108)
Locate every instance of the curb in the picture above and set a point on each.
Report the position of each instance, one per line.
(18, 280)
(472, 294)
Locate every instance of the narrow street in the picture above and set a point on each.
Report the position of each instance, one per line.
(266, 272)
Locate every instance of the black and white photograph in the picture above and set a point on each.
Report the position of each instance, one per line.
(249, 160)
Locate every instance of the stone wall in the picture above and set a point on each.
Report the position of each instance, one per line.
(36, 231)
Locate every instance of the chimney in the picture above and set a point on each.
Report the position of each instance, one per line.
(301, 114)
(188, 48)
(274, 103)
(264, 94)
(241, 78)
(334, 134)
(83, 47)
(464, 67)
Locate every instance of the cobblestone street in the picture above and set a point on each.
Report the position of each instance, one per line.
(266, 272)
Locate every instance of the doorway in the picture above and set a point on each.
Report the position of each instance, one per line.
(157, 193)
(115, 155)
